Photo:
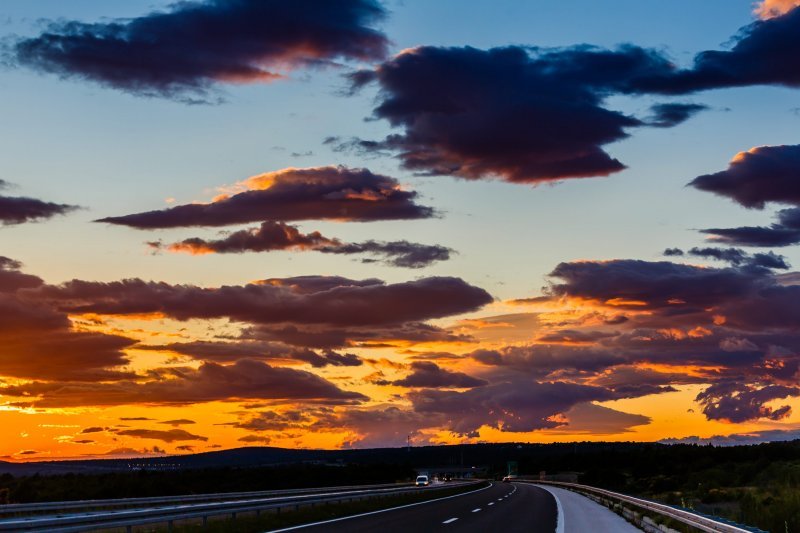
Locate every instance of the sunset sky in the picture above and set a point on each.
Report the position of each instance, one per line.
(339, 224)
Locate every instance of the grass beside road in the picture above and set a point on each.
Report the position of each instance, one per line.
(270, 520)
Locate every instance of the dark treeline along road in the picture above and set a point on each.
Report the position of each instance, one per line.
(757, 485)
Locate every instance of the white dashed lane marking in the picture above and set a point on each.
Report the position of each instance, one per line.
(476, 510)
(449, 520)
(491, 503)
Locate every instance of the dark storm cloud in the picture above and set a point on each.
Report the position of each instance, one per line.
(19, 209)
(672, 114)
(735, 402)
(784, 232)
(184, 51)
(39, 342)
(325, 337)
(737, 257)
(306, 300)
(789, 218)
(271, 236)
(762, 174)
(243, 380)
(244, 348)
(545, 361)
(766, 52)
(319, 193)
(673, 252)
(734, 256)
(739, 439)
(520, 114)
(395, 253)
(518, 405)
(11, 277)
(379, 426)
(636, 283)
(427, 374)
(757, 236)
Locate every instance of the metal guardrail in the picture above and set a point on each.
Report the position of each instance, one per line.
(30, 508)
(699, 522)
(128, 518)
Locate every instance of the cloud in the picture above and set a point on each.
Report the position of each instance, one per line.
(244, 348)
(94, 429)
(763, 53)
(735, 402)
(758, 236)
(767, 9)
(378, 426)
(760, 175)
(521, 114)
(739, 439)
(365, 336)
(785, 232)
(255, 438)
(243, 380)
(185, 51)
(544, 361)
(268, 237)
(318, 193)
(178, 422)
(171, 435)
(630, 283)
(672, 114)
(596, 419)
(38, 341)
(271, 236)
(517, 405)
(300, 300)
(736, 257)
(19, 209)
(428, 374)
(395, 253)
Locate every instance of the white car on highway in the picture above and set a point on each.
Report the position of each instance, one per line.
(423, 481)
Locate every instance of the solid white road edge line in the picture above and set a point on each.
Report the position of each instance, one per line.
(378, 511)
(559, 509)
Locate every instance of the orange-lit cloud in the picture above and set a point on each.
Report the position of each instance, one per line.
(767, 9)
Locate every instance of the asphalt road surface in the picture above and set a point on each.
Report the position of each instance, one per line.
(507, 507)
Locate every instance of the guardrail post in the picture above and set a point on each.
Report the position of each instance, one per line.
(169, 525)
(205, 521)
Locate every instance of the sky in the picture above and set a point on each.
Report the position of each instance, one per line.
(356, 223)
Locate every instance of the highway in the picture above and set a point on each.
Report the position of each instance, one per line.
(499, 507)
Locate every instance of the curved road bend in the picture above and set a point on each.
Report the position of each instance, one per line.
(500, 507)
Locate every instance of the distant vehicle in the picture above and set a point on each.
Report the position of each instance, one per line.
(507, 479)
(448, 477)
(423, 481)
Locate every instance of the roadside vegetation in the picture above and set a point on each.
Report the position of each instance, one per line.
(144, 483)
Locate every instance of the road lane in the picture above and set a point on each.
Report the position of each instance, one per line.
(582, 514)
(517, 508)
